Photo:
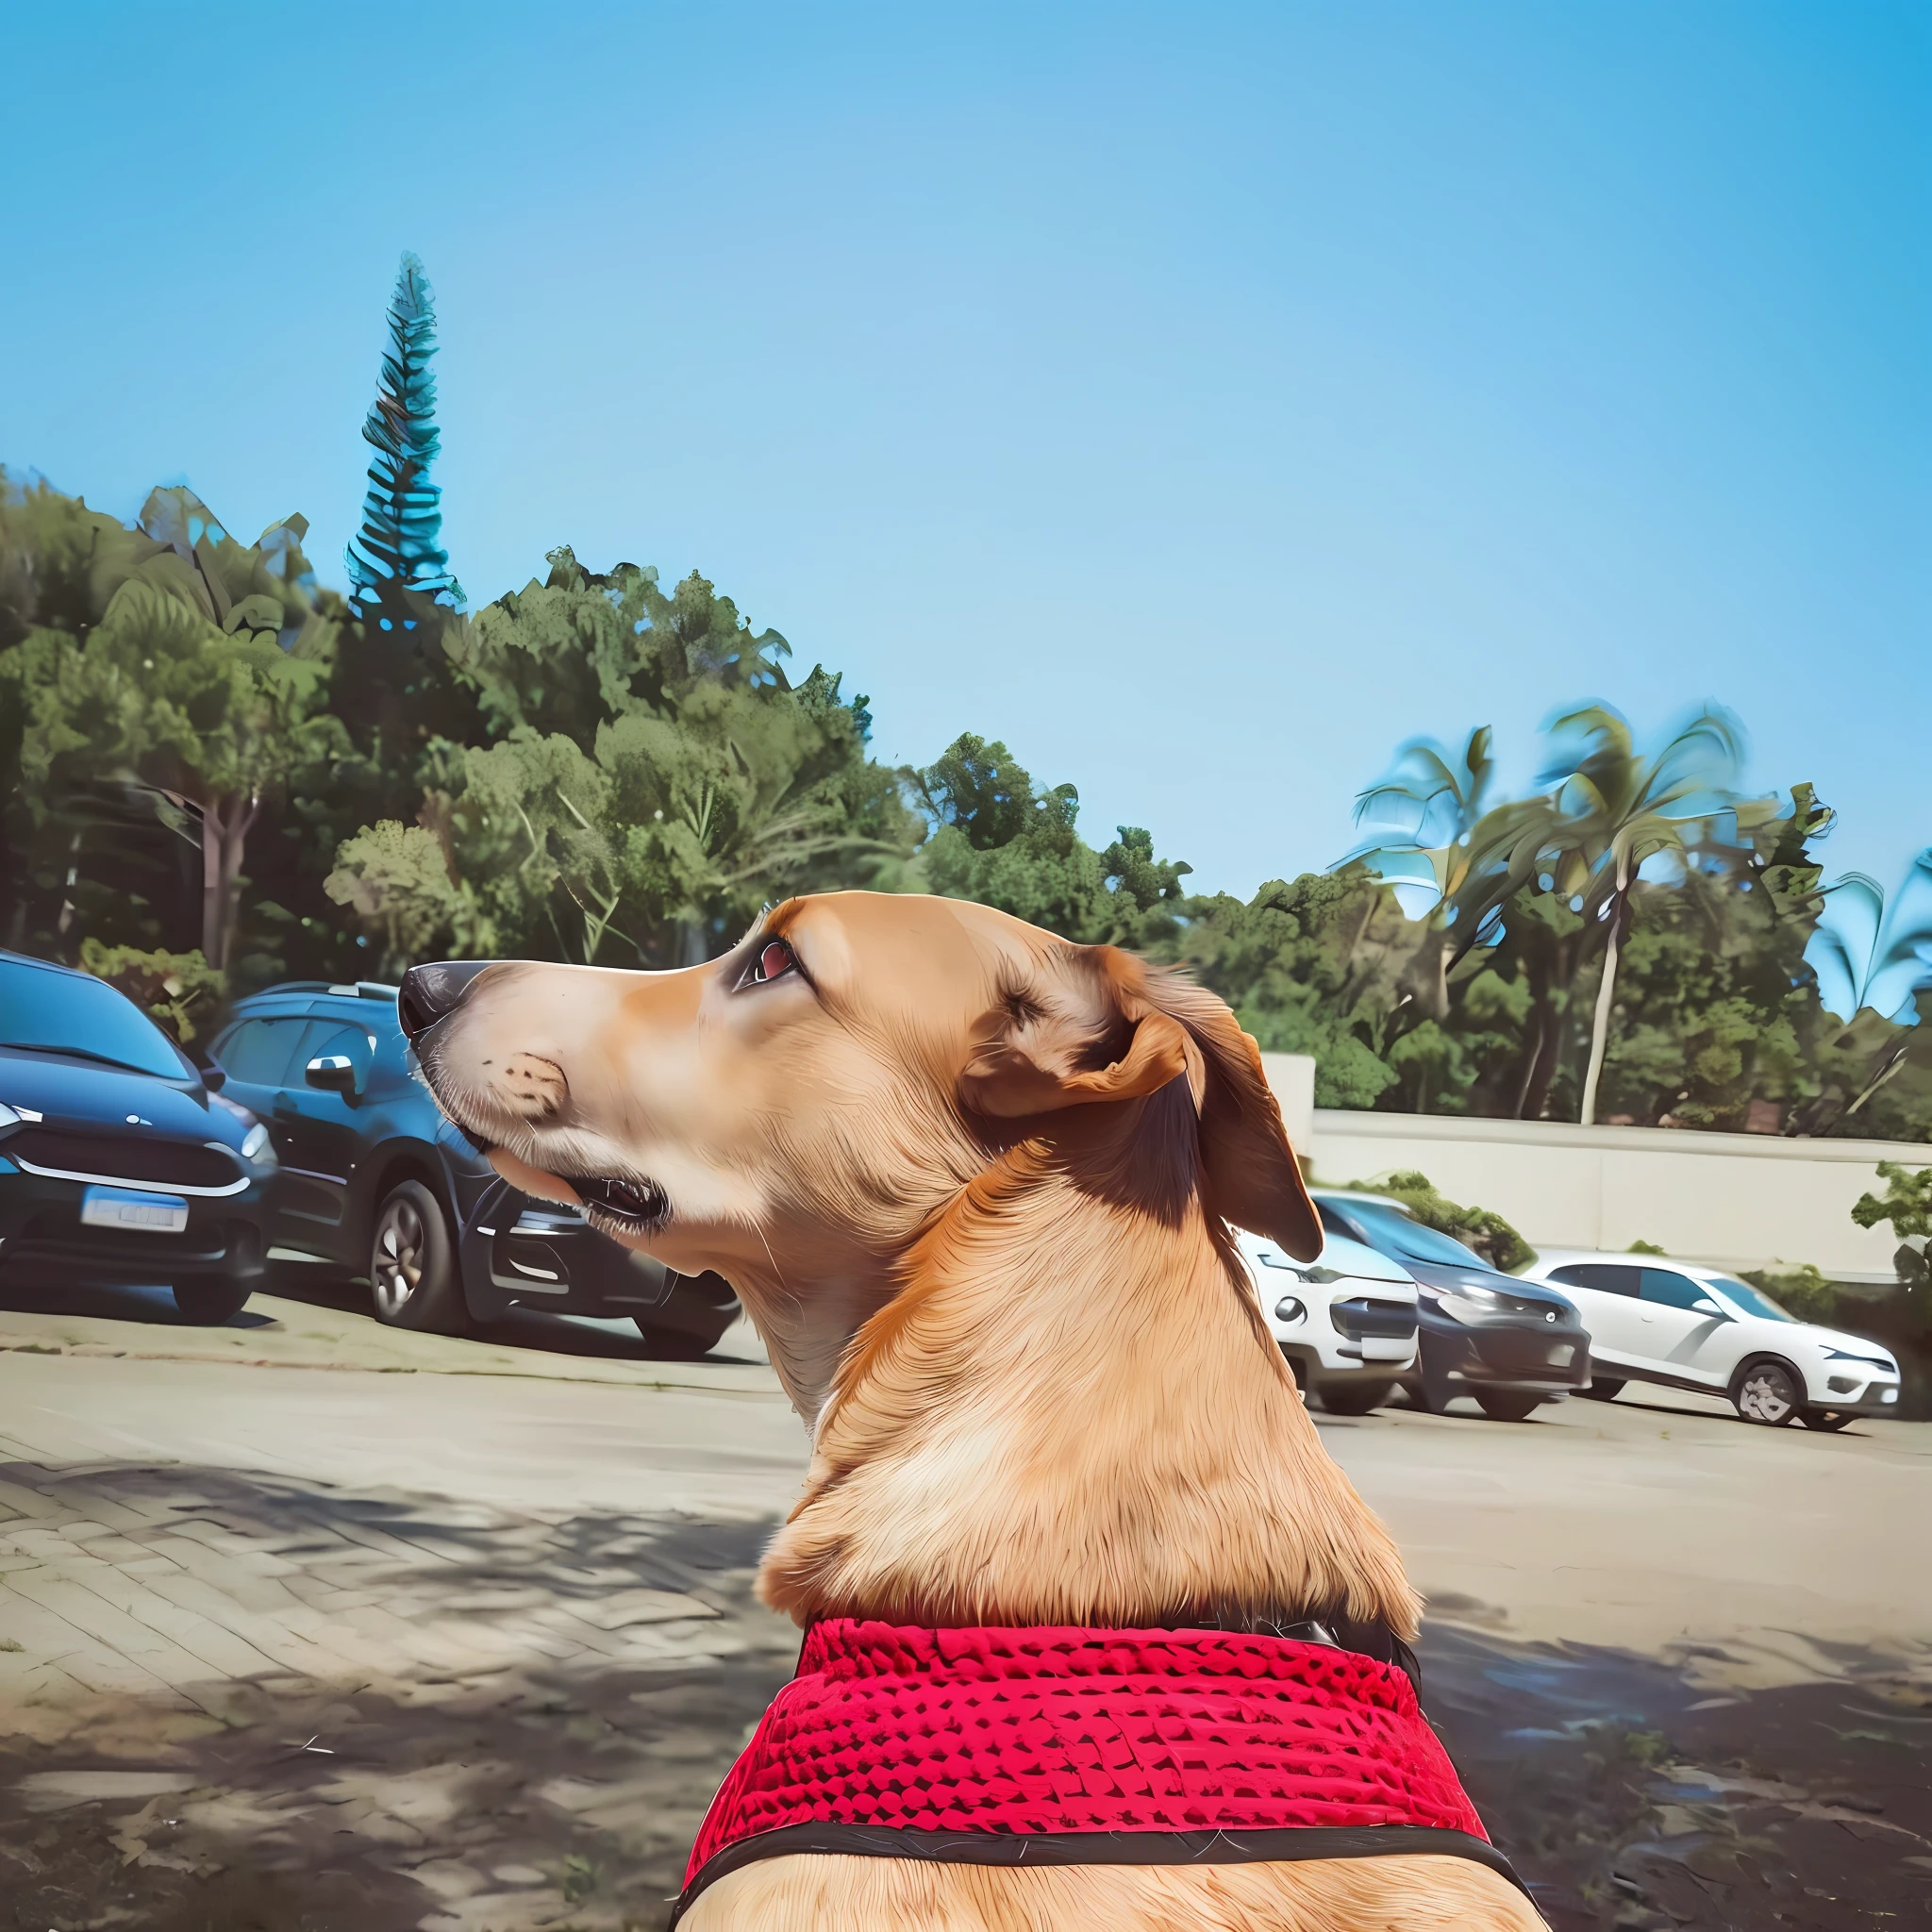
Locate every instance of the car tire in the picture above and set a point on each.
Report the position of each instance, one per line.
(1603, 1388)
(1828, 1420)
(208, 1304)
(414, 1282)
(1353, 1398)
(1509, 1405)
(1768, 1394)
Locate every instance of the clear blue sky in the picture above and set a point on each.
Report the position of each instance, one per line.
(1202, 398)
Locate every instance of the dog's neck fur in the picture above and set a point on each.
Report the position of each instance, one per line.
(1070, 1412)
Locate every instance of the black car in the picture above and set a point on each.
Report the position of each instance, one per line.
(377, 1182)
(119, 1163)
(1511, 1344)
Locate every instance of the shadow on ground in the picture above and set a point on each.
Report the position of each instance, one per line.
(523, 1328)
(1629, 1797)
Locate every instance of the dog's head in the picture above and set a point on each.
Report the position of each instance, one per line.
(794, 1113)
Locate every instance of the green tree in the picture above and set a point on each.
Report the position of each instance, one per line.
(998, 839)
(207, 721)
(161, 682)
(397, 563)
(1311, 965)
(646, 779)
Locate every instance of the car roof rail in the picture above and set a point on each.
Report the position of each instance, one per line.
(365, 990)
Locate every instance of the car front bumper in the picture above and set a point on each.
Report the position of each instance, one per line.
(1874, 1398)
(42, 1237)
(1505, 1354)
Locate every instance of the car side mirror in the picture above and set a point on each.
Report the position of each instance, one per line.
(1704, 1307)
(334, 1073)
(213, 1078)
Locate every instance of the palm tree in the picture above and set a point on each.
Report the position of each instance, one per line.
(1420, 817)
(1609, 810)
(1866, 953)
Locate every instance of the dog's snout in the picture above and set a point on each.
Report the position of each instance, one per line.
(431, 992)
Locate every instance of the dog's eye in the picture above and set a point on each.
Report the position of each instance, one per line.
(773, 962)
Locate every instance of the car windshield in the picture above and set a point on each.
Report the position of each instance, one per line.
(1389, 1226)
(1753, 1301)
(46, 1011)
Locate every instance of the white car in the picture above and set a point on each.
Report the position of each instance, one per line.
(1687, 1326)
(1346, 1321)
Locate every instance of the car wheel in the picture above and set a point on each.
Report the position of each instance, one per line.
(210, 1302)
(1354, 1398)
(1831, 1421)
(412, 1264)
(1509, 1405)
(1768, 1394)
(1603, 1388)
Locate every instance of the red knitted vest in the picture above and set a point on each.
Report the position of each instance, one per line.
(1043, 1730)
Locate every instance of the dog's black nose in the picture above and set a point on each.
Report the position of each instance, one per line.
(428, 993)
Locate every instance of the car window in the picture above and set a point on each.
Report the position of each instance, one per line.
(1753, 1301)
(1673, 1289)
(258, 1052)
(1392, 1230)
(1607, 1278)
(1333, 1223)
(42, 1010)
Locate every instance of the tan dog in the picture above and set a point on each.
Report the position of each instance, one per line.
(970, 1181)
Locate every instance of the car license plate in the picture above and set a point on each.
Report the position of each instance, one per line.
(1387, 1348)
(134, 1213)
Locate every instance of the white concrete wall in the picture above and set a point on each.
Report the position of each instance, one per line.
(1731, 1200)
(1292, 1078)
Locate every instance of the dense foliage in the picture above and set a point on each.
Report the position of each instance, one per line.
(214, 774)
(207, 761)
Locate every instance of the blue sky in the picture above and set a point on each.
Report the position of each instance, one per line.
(1204, 399)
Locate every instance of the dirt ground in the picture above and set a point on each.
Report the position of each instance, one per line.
(1687, 1755)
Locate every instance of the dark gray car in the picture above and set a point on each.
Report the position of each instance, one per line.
(1511, 1344)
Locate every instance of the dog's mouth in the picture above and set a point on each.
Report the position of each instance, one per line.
(630, 1206)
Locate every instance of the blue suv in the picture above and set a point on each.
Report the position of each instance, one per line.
(375, 1182)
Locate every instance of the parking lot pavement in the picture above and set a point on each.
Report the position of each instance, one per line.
(342, 1645)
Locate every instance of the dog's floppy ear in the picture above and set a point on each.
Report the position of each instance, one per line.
(1036, 1054)
(1100, 1025)
(1250, 1175)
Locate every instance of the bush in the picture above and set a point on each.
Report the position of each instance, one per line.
(1803, 1291)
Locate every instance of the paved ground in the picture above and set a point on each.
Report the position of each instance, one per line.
(458, 1635)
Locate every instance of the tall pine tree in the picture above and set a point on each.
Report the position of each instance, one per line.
(397, 565)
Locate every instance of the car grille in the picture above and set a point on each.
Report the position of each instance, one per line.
(1520, 1352)
(1360, 1319)
(152, 1160)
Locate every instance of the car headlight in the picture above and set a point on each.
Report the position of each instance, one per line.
(8, 1116)
(1872, 1361)
(259, 1147)
(1469, 1303)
